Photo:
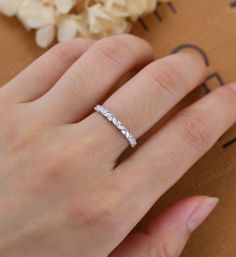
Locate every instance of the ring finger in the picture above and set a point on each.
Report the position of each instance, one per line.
(143, 100)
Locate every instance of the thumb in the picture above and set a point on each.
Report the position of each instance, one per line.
(167, 235)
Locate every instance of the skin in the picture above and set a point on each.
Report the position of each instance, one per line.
(62, 192)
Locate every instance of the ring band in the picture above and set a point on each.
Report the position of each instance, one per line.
(110, 117)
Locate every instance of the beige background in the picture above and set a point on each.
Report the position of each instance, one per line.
(211, 26)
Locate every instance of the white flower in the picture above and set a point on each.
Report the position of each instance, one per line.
(45, 36)
(98, 18)
(67, 19)
(67, 29)
(64, 6)
(10, 7)
(34, 14)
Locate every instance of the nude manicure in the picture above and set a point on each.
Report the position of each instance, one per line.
(202, 211)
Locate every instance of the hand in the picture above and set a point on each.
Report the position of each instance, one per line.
(63, 193)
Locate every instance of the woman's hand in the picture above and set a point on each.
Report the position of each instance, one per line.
(62, 192)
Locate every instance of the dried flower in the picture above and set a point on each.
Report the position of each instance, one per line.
(67, 19)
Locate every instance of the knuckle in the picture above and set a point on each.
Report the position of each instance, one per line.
(164, 249)
(27, 138)
(194, 129)
(160, 249)
(100, 213)
(114, 50)
(22, 139)
(88, 149)
(226, 96)
(69, 51)
(93, 217)
(165, 76)
(61, 51)
(22, 144)
(107, 207)
(160, 176)
(101, 217)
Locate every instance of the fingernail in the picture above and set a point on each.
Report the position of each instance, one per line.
(233, 86)
(202, 211)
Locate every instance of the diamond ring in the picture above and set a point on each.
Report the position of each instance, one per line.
(110, 117)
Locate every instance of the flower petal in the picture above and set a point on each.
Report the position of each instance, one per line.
(67, 29)
(44, 36)
(34, 14)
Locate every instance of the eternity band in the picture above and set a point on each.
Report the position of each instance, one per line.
(110, 117)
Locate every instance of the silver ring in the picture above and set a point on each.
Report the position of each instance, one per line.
(118, 124)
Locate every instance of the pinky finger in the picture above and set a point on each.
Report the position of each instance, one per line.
(167, 235)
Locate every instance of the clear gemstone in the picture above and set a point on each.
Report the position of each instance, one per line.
(123, 132)
(121, 127)
(118, 123)
(131, 137)
(109, 117)
(104, 111)
(114, 121)
(127, 134)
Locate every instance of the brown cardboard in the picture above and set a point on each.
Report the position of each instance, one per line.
(210, 26)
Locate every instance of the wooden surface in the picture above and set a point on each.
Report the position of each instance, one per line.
(207, 27)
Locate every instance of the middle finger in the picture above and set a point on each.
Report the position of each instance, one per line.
(92, 77)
